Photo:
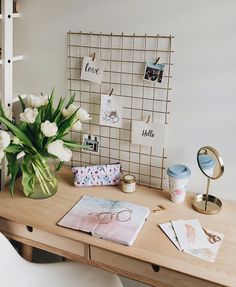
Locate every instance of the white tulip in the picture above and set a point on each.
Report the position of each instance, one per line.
(77, 126)
(83, 115)
(20, 155)
(29, 115)
(5, 139)
(57, 148)
(37, 101)
(49, 129)
(69, 111)
(1, 155)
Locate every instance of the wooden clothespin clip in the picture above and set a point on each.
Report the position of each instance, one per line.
(157, 60)
(111, 92)
(160, 208)
(148, 119)
(94, 55)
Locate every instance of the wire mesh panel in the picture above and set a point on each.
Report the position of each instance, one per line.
(124, 58)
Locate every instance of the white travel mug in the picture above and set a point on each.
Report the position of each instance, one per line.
(178, 179)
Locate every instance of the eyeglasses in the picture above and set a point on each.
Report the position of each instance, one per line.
(122, 216)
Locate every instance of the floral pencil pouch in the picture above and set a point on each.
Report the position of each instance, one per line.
(105, 174)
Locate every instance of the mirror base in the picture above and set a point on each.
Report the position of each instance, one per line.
(213, 205)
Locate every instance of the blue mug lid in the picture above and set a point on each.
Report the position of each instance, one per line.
(179, 171)
(206, 161)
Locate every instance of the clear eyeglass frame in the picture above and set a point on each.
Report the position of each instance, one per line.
(107, 217)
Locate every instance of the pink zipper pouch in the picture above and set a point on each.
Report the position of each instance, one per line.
(105, 174)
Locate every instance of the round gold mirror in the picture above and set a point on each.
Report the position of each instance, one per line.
(211, 165)
(210, 162)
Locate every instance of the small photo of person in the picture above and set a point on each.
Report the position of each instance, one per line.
(154, 72)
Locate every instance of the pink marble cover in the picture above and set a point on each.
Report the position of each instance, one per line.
(106, 174)
(83, 216)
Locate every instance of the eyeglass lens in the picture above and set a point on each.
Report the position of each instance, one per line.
(106, 217)
(123, 215)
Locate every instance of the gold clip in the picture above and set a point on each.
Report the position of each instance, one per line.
(157, 60)
(148, 119)
(160, 208)
(94, 55)
(111, 92)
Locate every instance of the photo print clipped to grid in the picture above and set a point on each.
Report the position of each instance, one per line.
(124, 58)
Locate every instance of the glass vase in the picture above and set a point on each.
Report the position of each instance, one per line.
(46, 184)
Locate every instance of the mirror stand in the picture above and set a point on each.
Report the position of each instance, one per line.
(205, 203)
(211, 165)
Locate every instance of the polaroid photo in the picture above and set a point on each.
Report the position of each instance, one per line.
(111, 111)
(91, 143)
(153, 72)
(92, 70)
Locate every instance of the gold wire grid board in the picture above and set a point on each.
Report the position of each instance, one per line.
(124, 58)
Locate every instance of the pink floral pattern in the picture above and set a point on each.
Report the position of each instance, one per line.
(106, 174)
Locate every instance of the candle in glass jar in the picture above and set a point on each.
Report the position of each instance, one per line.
(128, 183)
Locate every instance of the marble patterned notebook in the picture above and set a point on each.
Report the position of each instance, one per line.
(116, 221)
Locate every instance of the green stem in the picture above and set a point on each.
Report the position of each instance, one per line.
(45, 172)
(41, 180)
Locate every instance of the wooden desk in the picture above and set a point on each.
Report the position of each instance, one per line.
(33, 222)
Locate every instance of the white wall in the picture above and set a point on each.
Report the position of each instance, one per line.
(203, 96)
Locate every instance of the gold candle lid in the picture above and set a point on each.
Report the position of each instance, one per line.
(129, 178)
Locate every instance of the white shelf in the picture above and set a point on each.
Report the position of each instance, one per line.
(14, 59)
(17, 58)
(14, 15)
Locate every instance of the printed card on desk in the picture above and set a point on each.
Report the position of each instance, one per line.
(169, 231)
(92, 70)
(190, 234)
(149, 134)
(208, 254)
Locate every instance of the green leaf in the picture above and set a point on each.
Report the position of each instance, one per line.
(57, 117)
(45, 154)
(66, 125)
(16, 131)
(38, 119)
(39, 140)
(23, 127)
(49, 108)
(28, 175)
(22, 103)
(2, 113)
(14, 148)
(58, 167)
(71, 101)
(73, 145)
(13, 169)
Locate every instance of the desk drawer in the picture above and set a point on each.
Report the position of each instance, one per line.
(38, 238)
(146, 270)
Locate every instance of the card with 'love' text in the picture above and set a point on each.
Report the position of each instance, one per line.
(92, 70)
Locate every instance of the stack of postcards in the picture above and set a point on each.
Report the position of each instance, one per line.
(190, 237)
